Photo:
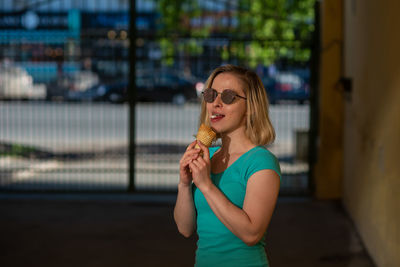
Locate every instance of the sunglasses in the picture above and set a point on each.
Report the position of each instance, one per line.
(227, 96)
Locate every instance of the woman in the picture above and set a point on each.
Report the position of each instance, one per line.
(228, 193)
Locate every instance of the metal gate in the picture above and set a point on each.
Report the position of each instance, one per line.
(82, 112)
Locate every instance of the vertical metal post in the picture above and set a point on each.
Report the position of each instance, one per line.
(314, 98)
(132, 94)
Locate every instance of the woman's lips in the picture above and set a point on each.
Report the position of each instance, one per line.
(216, 117)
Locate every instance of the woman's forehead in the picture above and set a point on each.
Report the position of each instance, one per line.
(227, 81)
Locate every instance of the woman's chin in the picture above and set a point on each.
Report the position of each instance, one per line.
(216, 128)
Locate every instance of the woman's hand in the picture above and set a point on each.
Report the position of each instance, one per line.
(184, 170)
(200, 168)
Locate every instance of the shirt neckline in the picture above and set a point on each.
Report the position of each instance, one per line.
(219, 173)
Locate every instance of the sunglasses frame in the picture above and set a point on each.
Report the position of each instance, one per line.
(215, 95)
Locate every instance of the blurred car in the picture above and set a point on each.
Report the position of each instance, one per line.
(114, 93)
(166, 86)
(80, 81)
(17, 84)
(286, 86)
(151, 86)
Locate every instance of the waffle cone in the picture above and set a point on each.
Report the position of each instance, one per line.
(205, 135)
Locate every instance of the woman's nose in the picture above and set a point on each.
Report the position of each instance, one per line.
(218, 100)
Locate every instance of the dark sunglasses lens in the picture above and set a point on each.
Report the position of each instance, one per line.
(228, 96)
(209, 95)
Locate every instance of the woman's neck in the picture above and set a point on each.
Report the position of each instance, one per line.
(235, 143)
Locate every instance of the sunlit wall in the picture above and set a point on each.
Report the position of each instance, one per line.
(372, 126)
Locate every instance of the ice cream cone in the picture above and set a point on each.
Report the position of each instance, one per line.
(205, 135)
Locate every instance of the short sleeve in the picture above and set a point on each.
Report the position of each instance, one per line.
(260, 159)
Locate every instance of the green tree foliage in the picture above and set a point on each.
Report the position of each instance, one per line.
(259, 31)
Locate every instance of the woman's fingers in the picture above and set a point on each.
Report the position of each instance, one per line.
(190, 157)
(197, 164)
(206, 153)
(191, 150)
(192, 144)
(190, 154)
(193, 167)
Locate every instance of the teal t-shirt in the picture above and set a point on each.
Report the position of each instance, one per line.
(217, 245)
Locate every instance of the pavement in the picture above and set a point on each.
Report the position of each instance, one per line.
(138, 230)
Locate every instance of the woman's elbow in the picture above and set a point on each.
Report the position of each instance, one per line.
(252, 240)
(185, 232)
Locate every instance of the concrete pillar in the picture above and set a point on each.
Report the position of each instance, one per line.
(328, 169)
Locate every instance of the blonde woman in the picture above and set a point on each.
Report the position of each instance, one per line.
(228, 193)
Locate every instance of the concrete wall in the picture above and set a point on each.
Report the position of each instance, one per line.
(371, 184)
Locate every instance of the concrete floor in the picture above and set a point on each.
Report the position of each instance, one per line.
(121, 230)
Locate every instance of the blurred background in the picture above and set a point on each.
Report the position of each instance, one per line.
(68, 120)
(99, 99)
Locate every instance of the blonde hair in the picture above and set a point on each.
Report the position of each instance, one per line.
(259, 128)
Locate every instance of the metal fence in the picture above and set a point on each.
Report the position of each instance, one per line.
(66, 120)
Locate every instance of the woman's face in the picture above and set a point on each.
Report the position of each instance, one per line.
(227, 118)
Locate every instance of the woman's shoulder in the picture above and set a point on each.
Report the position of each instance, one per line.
(260, 158)
(262, 153)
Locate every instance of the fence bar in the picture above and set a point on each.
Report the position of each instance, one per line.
(132, 94)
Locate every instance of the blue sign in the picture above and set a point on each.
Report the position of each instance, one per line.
(118, 20)
(32, 20)
(108, 20)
